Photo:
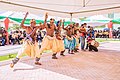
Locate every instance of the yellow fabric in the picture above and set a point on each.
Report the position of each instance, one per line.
(60, 45)
(49, 43)
(29, 48)
(77, 39)
(77, 42)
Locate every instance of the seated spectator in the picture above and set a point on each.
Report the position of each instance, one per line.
(91, 47)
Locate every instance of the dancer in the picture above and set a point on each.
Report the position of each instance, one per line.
(60, 43)
(69, 41)
(77, 36)
(49, 41)
(30, 46)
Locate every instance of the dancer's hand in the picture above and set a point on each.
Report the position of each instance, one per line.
(22, 23)
(46, 15)
(26, 14)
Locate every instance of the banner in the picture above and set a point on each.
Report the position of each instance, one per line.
(110, 26)
(6, 22)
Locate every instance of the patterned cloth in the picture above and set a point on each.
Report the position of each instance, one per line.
(70, 43)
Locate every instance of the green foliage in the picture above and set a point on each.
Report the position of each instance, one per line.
(83, 18)
(15, 27)
(13, 55)
(106, 39)
(8, 57)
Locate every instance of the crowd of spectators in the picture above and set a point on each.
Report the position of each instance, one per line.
(105, 33)
(17, 36)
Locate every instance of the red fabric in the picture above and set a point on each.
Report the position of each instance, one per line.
(89, 39)
(7, 21)
(110, 25)
(82, 34)
(110, 33)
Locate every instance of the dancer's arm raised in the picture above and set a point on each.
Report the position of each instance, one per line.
(45, 21)
(63, 25)
(22, 24)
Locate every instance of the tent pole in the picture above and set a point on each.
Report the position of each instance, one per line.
(71, 18)
(83, 3)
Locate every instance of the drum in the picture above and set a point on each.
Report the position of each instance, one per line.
(94, 43)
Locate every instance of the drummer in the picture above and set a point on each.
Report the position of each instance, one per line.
(89, 40)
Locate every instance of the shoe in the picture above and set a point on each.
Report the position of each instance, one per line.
(76, 50)
(68, 51)
(54, 57)
(38, 63)
(11, 65)
(62, 54)
(72, 53)
(83, 50)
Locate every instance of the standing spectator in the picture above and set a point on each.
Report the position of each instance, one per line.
(96, 34)
(24, 34)
(4, 37)
(82, 35)
(17, 37)
(21, 37)
(88, 31)
(13, 38)
(100, 34)
(114, 33)
(92, 31)
(3, 40)
(39, 37)
(106, 34)
(10, 37)
(119, 33)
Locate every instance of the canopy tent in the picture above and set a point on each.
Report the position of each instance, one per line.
(37, 21)
(63, 8)
(99, 18)
(18, 17)
(117, 21)
(96, 20)
(94, 24)
(2, 17)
